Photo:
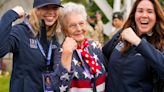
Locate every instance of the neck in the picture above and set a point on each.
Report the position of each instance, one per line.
(80, 43)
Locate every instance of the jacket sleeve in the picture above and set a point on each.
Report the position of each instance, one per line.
(108, 47)
(155, 57)
(6, 38)
(61, 77)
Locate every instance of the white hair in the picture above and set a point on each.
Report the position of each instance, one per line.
(70, 8)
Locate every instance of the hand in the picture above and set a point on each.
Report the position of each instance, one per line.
(130, 36)
(69, 44)
(19, 10)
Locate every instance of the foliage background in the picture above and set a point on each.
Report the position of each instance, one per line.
(91, 7)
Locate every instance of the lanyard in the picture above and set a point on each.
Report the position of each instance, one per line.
(48, 58)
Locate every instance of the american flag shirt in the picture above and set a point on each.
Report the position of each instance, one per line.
(79, 79)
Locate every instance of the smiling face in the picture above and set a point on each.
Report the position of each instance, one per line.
(75, 27)
(49, 14)
(145, 17)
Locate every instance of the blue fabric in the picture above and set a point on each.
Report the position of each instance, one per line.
(28, 61)
(133, 71)
(42, 3)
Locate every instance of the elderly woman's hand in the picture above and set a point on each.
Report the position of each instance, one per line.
(69, 45)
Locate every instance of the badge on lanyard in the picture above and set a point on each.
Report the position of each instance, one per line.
(46, 76)
(47, 82)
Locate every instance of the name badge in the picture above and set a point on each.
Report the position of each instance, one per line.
(47, 82)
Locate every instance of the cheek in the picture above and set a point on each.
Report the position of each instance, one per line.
(136, 17)
(40, 13)
(67, 33)
(84, 29)
(154, 19)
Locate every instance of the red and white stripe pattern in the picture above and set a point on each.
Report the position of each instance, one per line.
(85, 85)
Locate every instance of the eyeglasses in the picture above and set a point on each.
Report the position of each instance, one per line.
(76, 25)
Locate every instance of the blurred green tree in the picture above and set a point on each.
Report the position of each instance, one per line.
(91, 7)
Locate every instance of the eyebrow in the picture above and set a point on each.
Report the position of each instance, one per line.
(146, 8)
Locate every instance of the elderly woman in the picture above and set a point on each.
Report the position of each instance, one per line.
(79, 64)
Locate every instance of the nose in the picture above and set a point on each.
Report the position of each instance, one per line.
(78, 27)
(145, 14)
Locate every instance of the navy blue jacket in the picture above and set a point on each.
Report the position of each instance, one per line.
(133, 71)
(28, 61)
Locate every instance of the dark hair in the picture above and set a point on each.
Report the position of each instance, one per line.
(157, 39)
(118, 15)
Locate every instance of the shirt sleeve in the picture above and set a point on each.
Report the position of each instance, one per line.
(61, 77)
(6, 38)
(155, 57)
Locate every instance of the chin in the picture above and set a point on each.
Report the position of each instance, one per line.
(79, 39)
(144, 31)
(49, 24)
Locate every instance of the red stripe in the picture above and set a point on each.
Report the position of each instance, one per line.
(87, 83)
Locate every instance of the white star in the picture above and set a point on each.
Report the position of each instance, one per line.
(94, 45)
(75, 61)
(63, 88)
(65, 76)
(76, 74)
(98, 72)
(95, 56)
(86, 75)
(103, 67)
(61, 50)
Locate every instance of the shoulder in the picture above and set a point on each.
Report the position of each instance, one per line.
(19, 30)
(10, 16)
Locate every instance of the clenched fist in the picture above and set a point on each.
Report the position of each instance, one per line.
(19, 10)
(130, 36)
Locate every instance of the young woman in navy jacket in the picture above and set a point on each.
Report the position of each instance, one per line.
(29, 41)
(139, 54)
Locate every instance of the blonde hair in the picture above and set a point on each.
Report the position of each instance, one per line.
(35, 23)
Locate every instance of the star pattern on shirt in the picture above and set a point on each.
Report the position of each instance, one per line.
(61, 50)
(94, 45)
(98, 73)
(63, 88)
(75, 61)
(65, 76)
(76, 74)
(95, 57)
(103, 67)
(85, 74)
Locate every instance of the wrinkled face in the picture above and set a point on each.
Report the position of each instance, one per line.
(75, 27)
(145, 17)
(49, 14)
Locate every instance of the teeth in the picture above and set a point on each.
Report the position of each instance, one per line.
(144, 21)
